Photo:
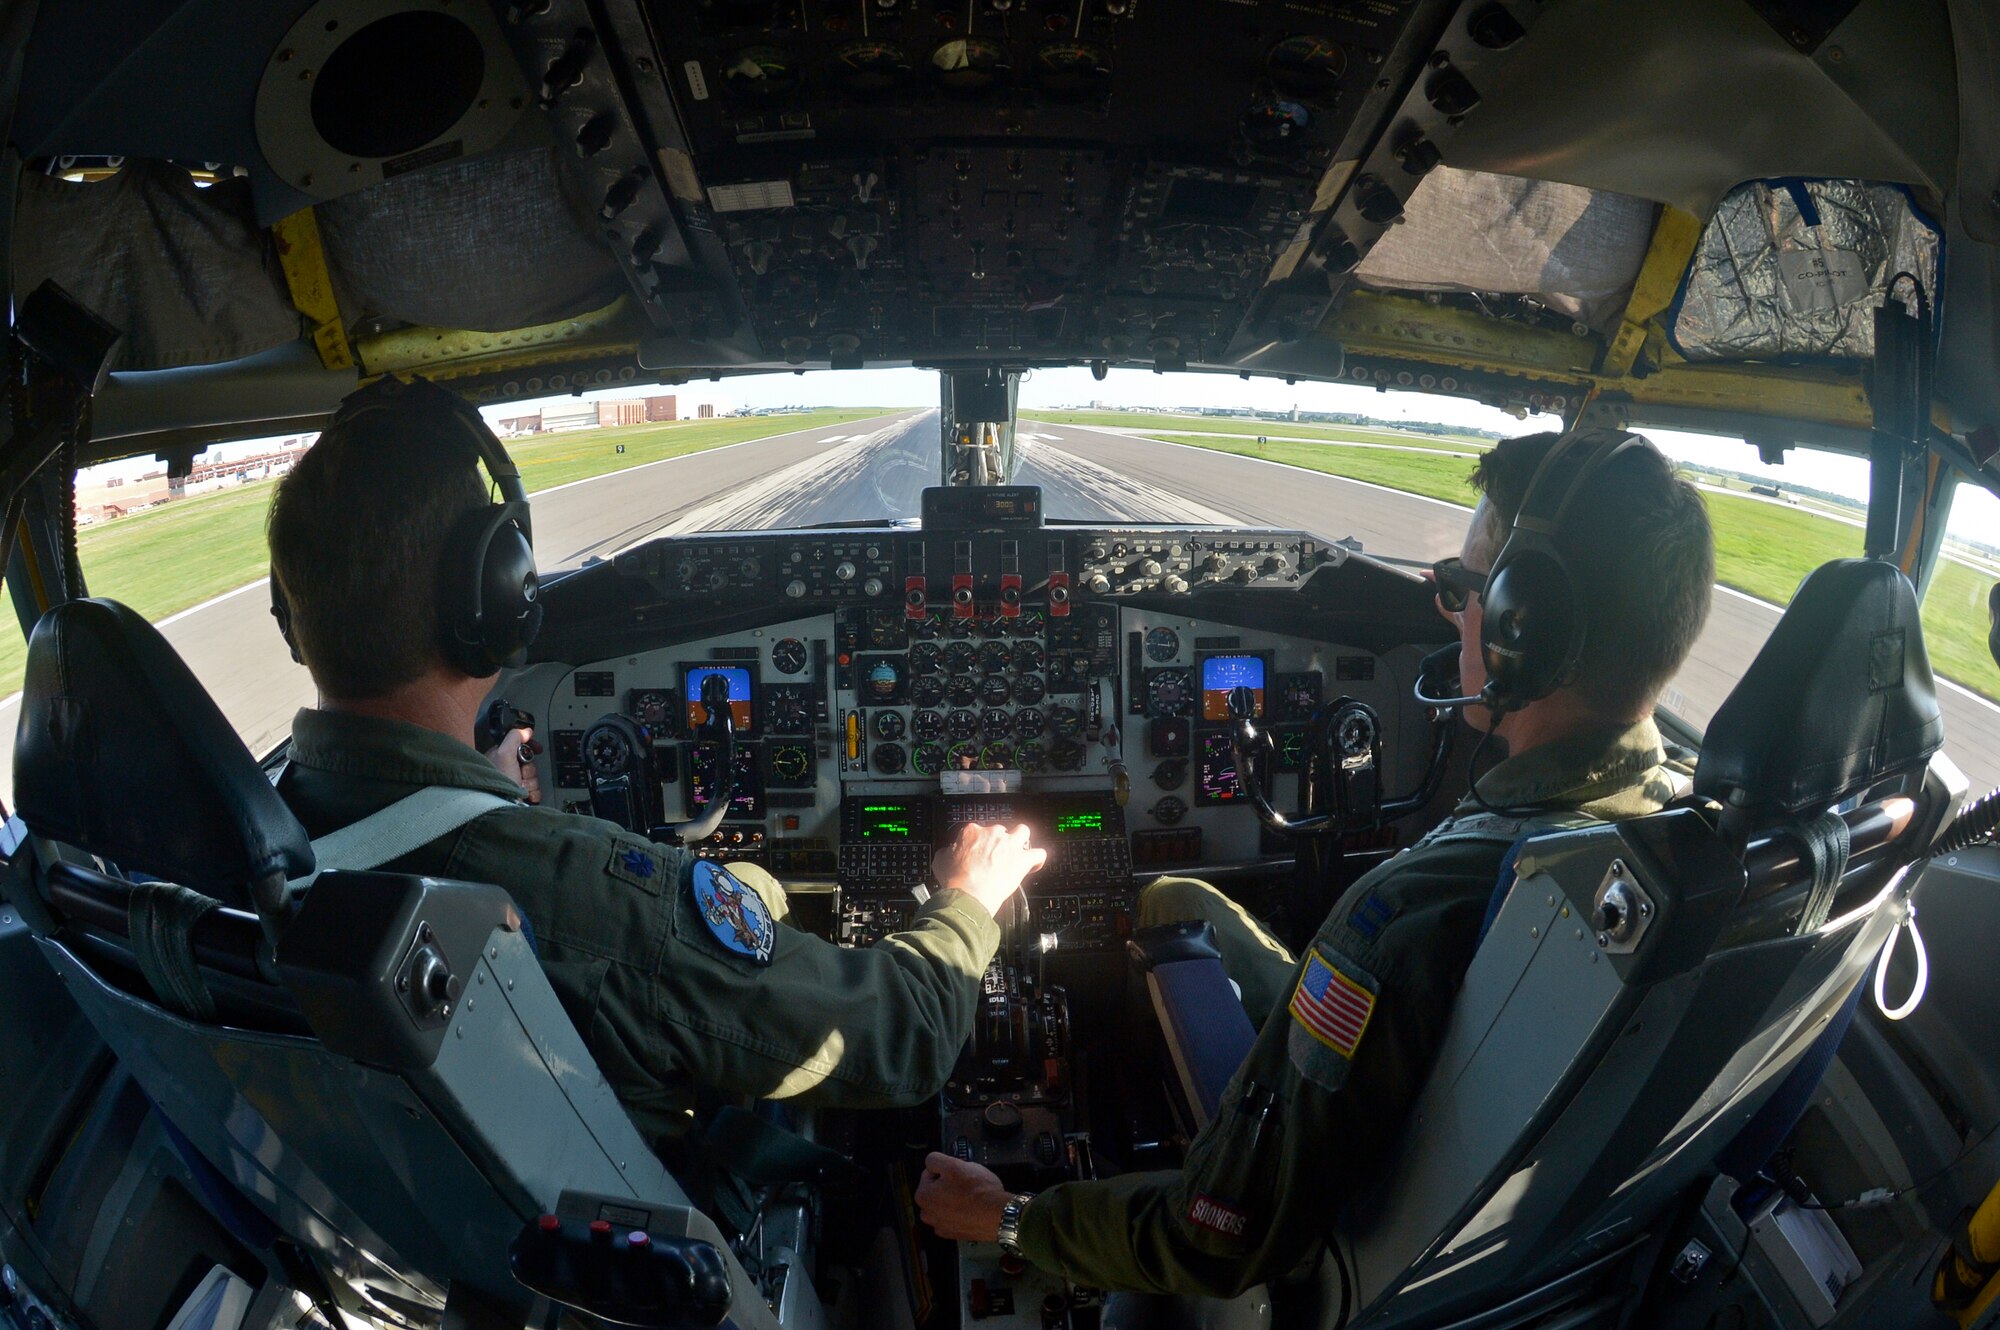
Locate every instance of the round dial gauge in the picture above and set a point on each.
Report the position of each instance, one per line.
(926, 628)
(963, 690)
(1029, 657)
(1031, 756)
(993, 626)
(1169, 810)
(761, 71)
(995, 723)
(927, 691)
(1028, 723)
(790, 762)
(788, 655)
(1068, 722)
(1170, 773)
(607, 751)
(1168, 693)
(970, 64)
(1028, 688)
(869, 67)
(996, 756)
(1072, 69)
(961, 724)
(786, 711)
(960, 657)
(653, 709)
(1299, 694)
(962, 756)
(925, 657)
(1275, 124)
(957, 627)
(888, 724)
(994, 658)
(1308, 67)
(1162, 645)
(1355, 734)
(1029, 623)
(1291, 746)
(927, 724)
(887, 758)
(928, 759)
(1066, 755)
(994, 691)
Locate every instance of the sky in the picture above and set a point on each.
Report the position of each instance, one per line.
(1975, 514)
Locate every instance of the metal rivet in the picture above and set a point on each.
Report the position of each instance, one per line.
(471, 1004)
(1565, 913)
(460, 1032)
(1552, 901)
(482, 975)
(494, 952)
(1534, 932)
(1603, 941)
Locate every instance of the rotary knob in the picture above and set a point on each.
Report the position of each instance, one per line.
(844, 570)
(796, 588)
(1244, 573)
(1097, 584)
(872, 587)
(1001, 1120)
(1148, 567)
(1176, 585)
(1213, 564)
(1274, 564)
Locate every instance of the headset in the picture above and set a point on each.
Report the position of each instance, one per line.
(1535, 625)
(489, 608)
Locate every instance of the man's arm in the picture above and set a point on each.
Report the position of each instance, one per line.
(1302, 1125)
(868, 1027)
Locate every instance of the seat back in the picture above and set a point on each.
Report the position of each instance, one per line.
(1598, 1059)
(406, 1091)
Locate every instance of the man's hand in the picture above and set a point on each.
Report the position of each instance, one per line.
(961, 1201)
(514, 758)
(988, 862)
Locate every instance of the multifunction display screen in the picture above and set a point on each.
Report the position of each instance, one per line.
(876, 821)
(738, 679)
(1220, 674)
(1216, 780)
(748, 801)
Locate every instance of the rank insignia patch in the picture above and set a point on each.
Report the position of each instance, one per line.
(1333, 1003)
(736, 915)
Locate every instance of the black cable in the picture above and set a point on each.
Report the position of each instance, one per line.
(1975, 826)
(1875, 1196)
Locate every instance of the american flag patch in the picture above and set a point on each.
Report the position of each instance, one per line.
(1332, 1007)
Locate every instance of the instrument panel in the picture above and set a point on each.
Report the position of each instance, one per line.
(897, 683)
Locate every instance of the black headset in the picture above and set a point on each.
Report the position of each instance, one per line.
(1535, 625)
(488, 595)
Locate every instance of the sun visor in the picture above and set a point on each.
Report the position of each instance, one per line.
(1794, 269)
(487, 244)
(182, 269)
(1575, 250)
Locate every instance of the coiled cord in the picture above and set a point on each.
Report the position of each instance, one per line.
(1975, 826)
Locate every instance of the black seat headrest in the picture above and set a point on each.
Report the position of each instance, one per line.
(122, 753)
(1840, 697)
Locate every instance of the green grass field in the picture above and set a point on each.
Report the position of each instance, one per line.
(166, 559)
(1763, 549)
(1197, 426)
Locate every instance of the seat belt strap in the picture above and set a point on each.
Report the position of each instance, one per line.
(402, 828)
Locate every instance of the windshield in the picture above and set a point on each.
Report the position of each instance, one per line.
(1389, 471)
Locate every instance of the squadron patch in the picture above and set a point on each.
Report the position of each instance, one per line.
(736, 915)
(1330, 1010)
(1207, 1212)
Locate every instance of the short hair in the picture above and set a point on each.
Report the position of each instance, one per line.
(1638, 543)
(357, 534)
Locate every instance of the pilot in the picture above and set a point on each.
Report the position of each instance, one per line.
(670, 992)
(1348, 1030)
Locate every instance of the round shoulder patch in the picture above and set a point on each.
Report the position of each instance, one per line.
(736, 915)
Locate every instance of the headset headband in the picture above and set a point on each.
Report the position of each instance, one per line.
(421, 395)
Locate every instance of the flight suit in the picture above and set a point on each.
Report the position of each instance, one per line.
(1344, 1046)
(665, 987)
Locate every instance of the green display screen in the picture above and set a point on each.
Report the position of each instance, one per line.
(1089, 823)
(886, 821)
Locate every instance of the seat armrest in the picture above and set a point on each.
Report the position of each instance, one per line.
(1206, 1030)
(1183, 940)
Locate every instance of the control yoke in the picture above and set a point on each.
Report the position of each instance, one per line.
(718, 727)
(1340, 777)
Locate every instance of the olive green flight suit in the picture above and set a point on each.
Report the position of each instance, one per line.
(663, 1004)
(1348, 1033)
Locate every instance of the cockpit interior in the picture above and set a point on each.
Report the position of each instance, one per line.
(250, 1089)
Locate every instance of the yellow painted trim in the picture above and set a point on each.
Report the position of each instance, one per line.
(304, 262)
(444, 353)
(1387, 327)
(1667, 257)
(37, 585)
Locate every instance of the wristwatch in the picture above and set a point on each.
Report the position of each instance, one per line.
(1010, 1222)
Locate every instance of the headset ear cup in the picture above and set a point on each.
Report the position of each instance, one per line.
(1530, 632)
(510, 604)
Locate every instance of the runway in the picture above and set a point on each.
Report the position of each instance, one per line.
(877, 468)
